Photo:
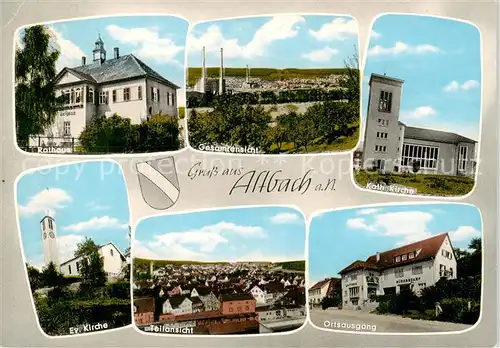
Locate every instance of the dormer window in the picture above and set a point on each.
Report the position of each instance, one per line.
(404, 257)
(411, 255)
(398, 258)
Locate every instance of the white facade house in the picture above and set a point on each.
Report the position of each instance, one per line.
(392, 146)
(178, 305)
(124, 85)
(113, 262)
(411, 267)
(322, 289)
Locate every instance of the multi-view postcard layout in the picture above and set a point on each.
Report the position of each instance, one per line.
(410, 268)
(75, 234)
(421, 107)
(286, 84)
(221, 272)
(98, 86)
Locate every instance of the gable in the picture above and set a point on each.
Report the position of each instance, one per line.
(68, 77)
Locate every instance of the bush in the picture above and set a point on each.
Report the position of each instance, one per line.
(118, 290)
(460, 310)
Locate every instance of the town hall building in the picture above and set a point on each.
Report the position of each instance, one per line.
(124, 85)
(411, 267)
(392, 146)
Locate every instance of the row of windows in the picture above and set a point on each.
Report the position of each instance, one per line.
(426, 156)
(238, 309)
(405, 257)
(382, 135)
(414, 271)
(382, 123)
(380, 148)
(74, 96)
(447, 254)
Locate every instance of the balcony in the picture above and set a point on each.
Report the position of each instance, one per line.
(445, 274)
(372, 280)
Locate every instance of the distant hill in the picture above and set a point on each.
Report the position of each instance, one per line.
(269, 74)
(141, 263)
(294, 265)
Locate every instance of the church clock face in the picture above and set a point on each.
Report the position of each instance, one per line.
(51, 234)
(45, 236)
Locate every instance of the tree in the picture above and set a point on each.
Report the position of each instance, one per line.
(91, 266)
(35, 73)
(51, 277)
(35, 277)
(160, 133)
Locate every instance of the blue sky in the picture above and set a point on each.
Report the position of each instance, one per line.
(243, 234)
(282, 41)
(159, 41)
(440, 62)
(87, 199)
(338, 238)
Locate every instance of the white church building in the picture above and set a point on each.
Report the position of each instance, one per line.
(413, 267)
(124, 85)
(113, 259)
(391, 146)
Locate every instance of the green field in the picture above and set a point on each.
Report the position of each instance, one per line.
(426, 184)
(269, 74)
(294, 265)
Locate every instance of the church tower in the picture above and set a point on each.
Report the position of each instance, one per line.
(99, 53)
(49, 239)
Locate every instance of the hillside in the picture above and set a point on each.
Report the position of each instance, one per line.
(294, 265)
(269, 74)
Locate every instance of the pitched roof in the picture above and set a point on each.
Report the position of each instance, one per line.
(427, 248)
(175, 301)
(98, 246)
(435, 135)
(123, 67)
(144, 305)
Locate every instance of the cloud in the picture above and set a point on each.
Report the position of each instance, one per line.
(278, 28)
(420, 112)
(368, 211)
(401, 47)
(410, 226)
(259, 256)
(322, 55)
(96, 223)
(339, 29)
(175, 252)
(375, 35)
(95, 206)
(454, 86)
(198, 244)
(284, 218)
(148, 43)
(67, 245)
(52, 199)
(70, 53)
(464, 233)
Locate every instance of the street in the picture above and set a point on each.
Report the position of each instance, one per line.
(334, 319)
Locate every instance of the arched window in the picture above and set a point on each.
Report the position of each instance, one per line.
(90, 98)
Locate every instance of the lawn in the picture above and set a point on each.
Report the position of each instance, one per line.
(426, 184)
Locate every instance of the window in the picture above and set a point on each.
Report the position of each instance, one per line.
(398, 258)
(66, 128)
(416, 270)
(157, 95)
(103, 97)
(382, 123)
(404, 257)
(114, 96)
(152, 93)
(72, 97)
(426, 156)
(462, 157)
(345, 293)
(230, 309)
(111, 252)
(399, 273)
(77, 266)
(385, 101)
(78, 95)
(447, 254)
(90, 97)
(411, 255)
(51, 226)
(247, 308)
(173, 98)
(380, 148)
(126, 94)
(139, 92)
(382, 135)
(353, 277)
(379, 164)
(168, 98)
(69, 269)
(354, 291)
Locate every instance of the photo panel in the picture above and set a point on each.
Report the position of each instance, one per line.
(421, 107)
(409, 268)
(75, 236)
(105, 85)
(287, 84)
(237, 271)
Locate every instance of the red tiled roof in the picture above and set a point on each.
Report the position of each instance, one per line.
(428, 249)
(144, 305)
(330, 281)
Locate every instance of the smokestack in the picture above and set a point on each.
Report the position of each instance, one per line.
(203, 71)
(221, 78)
(247, 75)
(378, 256)
(84, 60)
(117, 53)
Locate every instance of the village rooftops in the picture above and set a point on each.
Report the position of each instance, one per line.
(422, 250)
(332, 284)
(175, 301)
(237, 297)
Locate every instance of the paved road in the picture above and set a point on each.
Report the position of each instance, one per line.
(334, 318)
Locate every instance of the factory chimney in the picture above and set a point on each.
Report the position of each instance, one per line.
(221, 73)
(203, 71)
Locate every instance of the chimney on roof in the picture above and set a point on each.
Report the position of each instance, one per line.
(84, 60)
(378, 256)
(117, 53)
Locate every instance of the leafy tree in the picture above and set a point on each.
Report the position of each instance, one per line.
(91, 268)
(35, 73)
(160, 133)
(51, 277)
(35, 277)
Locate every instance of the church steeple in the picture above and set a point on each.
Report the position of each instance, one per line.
(99, 52)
